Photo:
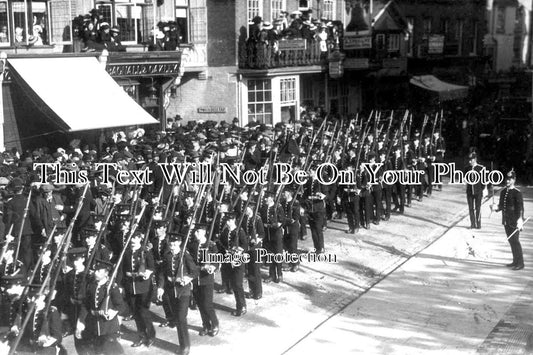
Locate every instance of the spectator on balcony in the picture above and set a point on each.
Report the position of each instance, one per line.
(255, 29)
(104, 34)
(295, 29)
(4, 36)
(308, 31)
(89, 37)
(37, 33)
(19, 35)
(158, 43)
(284, 20)
(295, 15)
(323, 41)
(115, 44)
(173, 37)
(97, 18)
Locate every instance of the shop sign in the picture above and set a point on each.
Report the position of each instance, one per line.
(359, 42)
(336, 69)
(212, 109)
(356, 63)
(145, 69)
(435, 44)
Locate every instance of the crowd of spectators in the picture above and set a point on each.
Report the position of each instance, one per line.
(97, 34)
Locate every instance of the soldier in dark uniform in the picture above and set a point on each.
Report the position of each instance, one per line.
(376, 190)
(137, 267)
(254, 230)
(365, 197)
(13, 214)
(178, 271)
(273, 218)
(315, 192)
(98, 322)
(203, 286)
(386, 188)
(350, 202)
(512, 206)
(159, 247)
(398, 190)
(11, 304)
(474, 193)
(235, 243)
(408, 156)
(100, 251)
(220, 226)
(291, 208)
(73, 198)
(439, 149)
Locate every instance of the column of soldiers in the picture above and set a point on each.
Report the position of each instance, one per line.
(100, 253)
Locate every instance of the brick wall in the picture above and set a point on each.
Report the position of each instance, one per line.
(218, 90)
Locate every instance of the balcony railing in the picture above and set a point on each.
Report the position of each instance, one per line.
(286, 53)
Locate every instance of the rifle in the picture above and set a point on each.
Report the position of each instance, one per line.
(64, 244)
(6, 245)
(111, 280)
(142, 266)
(19, 237)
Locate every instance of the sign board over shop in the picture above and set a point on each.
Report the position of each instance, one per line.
(144, 69)
(212, 109)
(435, 44)
(356, 63)
(292, 44)
(359, 42)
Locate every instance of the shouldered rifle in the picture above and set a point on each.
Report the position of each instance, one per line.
(19, 236)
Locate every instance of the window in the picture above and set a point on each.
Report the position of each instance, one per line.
(394, 42)
(411, 29)
(344, 98)
(38, 28)
(459, 36)
(304, 5)
(474, 37)
(287, 90)
(260, 101)
(276, 7)
(61, 26)
(131, 18)
(500, 20)
(5, 36)
(380, 42)
(328, 9)
(255, 8)
(182, 19)
(198, 17)
(427, 25)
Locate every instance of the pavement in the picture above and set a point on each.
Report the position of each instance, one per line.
(420, 283)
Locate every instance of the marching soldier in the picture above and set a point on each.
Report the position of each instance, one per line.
(98, 323)
(350, 201)
(376, 190)
(203, 286)
(235, 243)
(315, 192)
(474, 193)
(272, 216)
(398, 190)
(159, 247)
(386, 188)
(137, 267)
(13, 216)
(512, 206)
(254, 230)
(178, 271)
(291, 208)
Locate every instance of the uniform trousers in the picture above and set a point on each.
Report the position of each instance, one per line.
(140, 307)
(474, 207)
(180, 309)
(237, 278)
(204, 300)
(516, 247)
(316, 224)
(254, 274)
(351, 207)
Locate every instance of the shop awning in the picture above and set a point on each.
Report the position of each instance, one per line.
(80, 92)
(446, 91)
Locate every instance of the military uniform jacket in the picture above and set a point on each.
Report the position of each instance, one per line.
(230, 239)
(312, 188)
(95, 300)
(13, 213)
(131, 265)
(292, 216)
(253, 228)
(196, 251)
(74, 287)
(397, 163)
(512, 206)
(273, 218)
(474, 189)
(172, 271)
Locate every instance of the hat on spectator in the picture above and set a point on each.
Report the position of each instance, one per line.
(47, 187)
(511, 175)
(115, 29)
(267, 25)
(4, 180)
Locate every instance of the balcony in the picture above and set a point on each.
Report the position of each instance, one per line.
(287, 53)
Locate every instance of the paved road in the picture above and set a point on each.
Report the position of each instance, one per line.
(377, 297)
(455, 297)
